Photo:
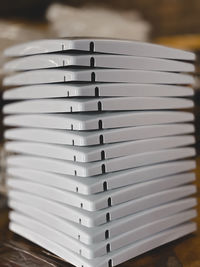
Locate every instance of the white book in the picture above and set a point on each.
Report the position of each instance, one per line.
(106, 231)
(105, 182)
(94, 121)
(96, 75)
(103, 248)
(99, 167)
(96, 90)
(46, 61)
(124, 47)
(88, 138)
(102, 200)
(98, 104)
(98, 153)
(100, 217)
(113, 258)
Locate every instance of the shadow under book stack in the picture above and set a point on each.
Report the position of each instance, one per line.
(101, 151)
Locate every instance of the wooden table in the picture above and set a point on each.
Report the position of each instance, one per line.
(16, 251)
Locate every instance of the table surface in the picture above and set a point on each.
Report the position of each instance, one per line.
(16, 251)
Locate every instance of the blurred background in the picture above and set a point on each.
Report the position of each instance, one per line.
(174, 23)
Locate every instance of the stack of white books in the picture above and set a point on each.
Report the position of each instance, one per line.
(100, 146)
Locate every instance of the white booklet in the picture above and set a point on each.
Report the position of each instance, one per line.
(97, 75)
(96, 90)
(95, 121)
(107, 46)
(46, 61)
(96, 104)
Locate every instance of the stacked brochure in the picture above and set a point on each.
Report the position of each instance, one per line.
(100, 140)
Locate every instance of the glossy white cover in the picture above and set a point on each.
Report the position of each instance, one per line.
(112, 46)
(96, 104)
(95, 90)
(94, 121)
(97, 60)
(96, 75)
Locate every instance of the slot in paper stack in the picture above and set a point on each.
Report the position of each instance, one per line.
(101, 147)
